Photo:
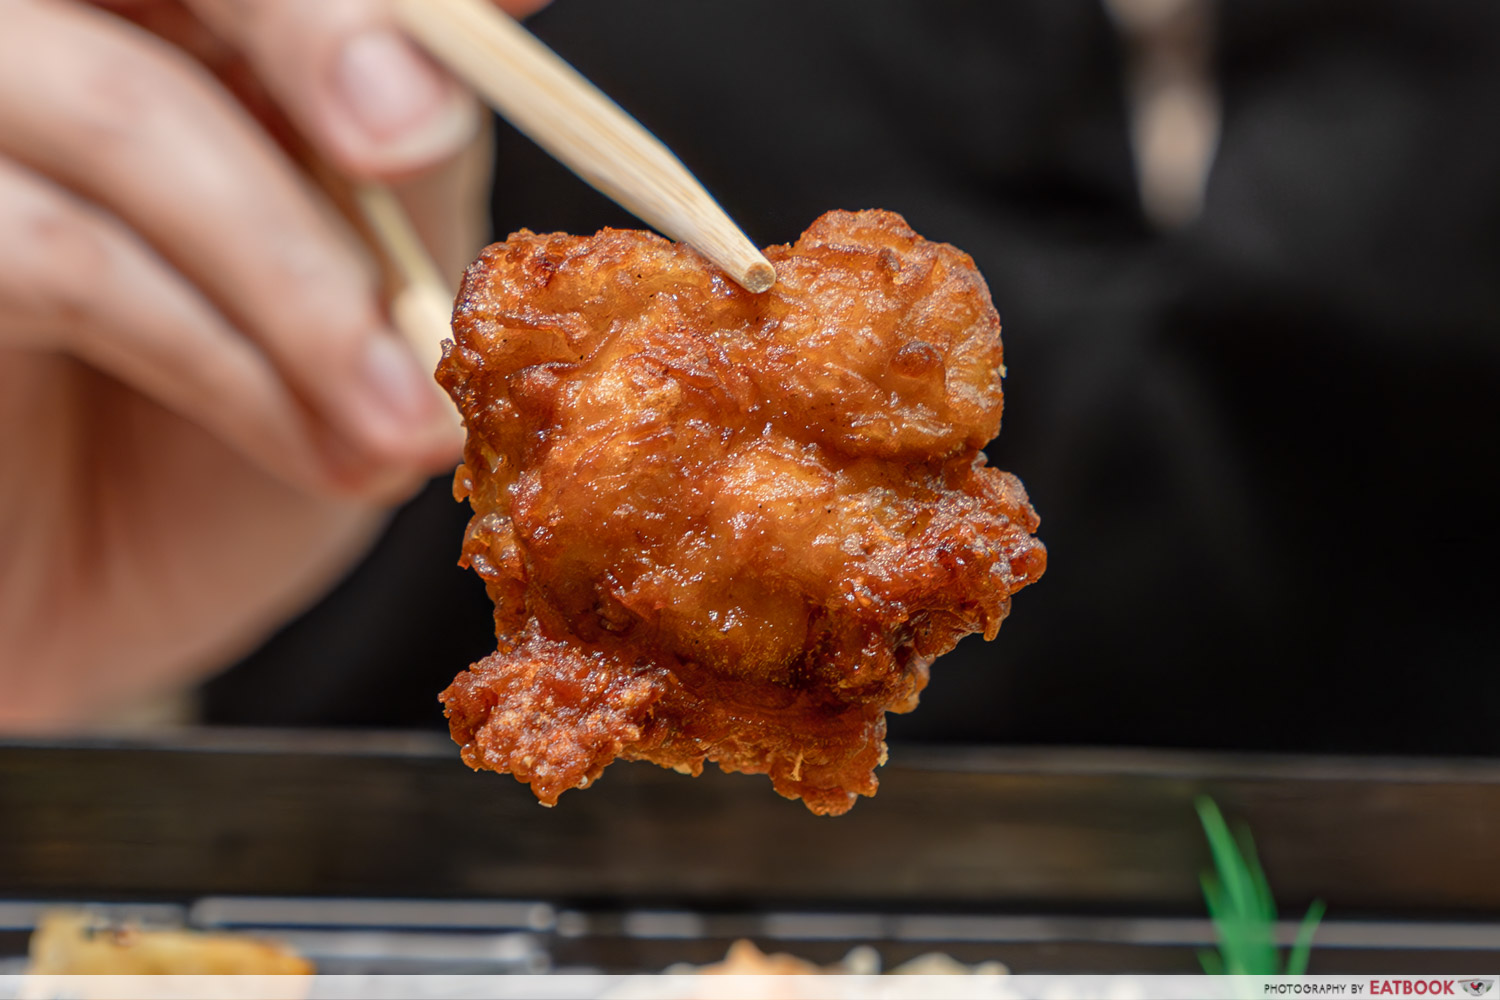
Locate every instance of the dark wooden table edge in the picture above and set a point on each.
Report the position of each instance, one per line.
(1072, 761)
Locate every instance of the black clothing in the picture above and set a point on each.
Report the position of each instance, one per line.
(1263, 449)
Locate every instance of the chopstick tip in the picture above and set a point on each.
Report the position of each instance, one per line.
(759, 277)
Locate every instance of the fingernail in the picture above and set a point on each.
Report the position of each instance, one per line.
(400, 100)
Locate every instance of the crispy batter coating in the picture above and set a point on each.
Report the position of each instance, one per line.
(721, 526)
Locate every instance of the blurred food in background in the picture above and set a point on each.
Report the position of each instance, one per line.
(745, 959)
(83, 942)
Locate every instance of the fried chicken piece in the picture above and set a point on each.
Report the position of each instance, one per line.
(720, 526)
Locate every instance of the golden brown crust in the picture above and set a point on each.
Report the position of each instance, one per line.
(719, 526)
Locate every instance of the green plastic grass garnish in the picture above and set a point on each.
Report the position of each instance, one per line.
(1240, 904)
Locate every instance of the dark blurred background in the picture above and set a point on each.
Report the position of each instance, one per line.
(1247, 257)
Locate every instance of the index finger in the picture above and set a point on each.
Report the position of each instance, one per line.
(368, 98)
(136, 126)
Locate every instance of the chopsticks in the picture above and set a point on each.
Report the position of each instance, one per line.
(539, 93)
(422, 304)
(534, 89)
(419, 298)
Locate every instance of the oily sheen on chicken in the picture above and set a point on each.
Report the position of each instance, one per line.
(725, 527)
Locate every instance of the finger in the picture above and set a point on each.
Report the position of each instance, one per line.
(72, 277)
(450, 207)
(448, 203)
(131, 124)
(372, 102)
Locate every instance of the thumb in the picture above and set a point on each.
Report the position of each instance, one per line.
(367, 97)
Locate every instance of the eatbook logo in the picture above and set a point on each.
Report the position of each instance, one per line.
(1477, 987)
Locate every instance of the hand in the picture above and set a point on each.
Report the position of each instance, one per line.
(203, 409)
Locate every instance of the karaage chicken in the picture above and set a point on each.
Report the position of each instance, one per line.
(720, 526)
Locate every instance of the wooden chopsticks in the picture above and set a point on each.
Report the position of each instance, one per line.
(422, 304)
(539, 93)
